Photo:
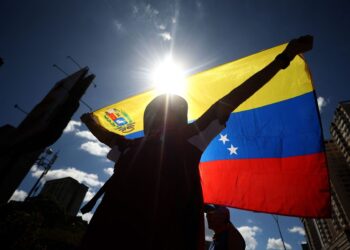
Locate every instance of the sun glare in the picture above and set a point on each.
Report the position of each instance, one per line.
(168, 77)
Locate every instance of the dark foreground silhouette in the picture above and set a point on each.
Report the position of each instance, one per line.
(226, 236)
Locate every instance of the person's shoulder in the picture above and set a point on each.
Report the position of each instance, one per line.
(136, 141)
(191, 130)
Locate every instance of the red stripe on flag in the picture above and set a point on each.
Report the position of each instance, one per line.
(294, 186)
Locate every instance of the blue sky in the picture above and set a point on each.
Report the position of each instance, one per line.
(121, 40)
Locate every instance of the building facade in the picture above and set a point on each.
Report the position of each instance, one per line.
(67, 192)
(334, 233)
(340, 128)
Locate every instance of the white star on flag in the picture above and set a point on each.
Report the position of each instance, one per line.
(223, 138)
(232, 149)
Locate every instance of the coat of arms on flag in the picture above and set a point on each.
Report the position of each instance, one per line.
(120, 120)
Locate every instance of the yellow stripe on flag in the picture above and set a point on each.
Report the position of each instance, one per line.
(205, 88)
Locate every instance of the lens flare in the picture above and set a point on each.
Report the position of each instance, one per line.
(169, 78)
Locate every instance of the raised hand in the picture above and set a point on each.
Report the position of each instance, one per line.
(299, 45)
(85, 117)
(88, 117)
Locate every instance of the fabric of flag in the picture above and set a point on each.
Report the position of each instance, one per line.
(270, 158)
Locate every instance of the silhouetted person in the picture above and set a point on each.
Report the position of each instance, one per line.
(226, 236)
(154, 198)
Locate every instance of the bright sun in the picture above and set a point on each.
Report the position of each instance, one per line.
(168, 77)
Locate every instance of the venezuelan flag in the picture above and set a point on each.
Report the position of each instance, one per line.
(270, 158)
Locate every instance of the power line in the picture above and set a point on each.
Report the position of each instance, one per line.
(60, 69)
(64, 72)
(76, 63)
(279, 229)
(16, 106)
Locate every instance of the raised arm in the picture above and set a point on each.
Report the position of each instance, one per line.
(222, 109)
(102, 134)
(237, 96)
(91, 203)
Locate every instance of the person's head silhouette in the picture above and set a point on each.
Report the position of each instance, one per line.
(165, 112)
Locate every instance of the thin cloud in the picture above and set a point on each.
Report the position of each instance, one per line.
(277, 244)
(199, 4)
(208, 238)
(86, 135)
(95, 148)
(19, 195)
(150, 11)
(298, 230)
(72, 126)
(249, 234)
(208, 233)
(161, 27)
(145, 10)
(87, 217)
(199, 9)
(119, 25)
(322, 103)
(90, 180)
(89, 195)
(135, 9)
(92, 145)
(166, 36)
(161, 23)
(108, 171)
